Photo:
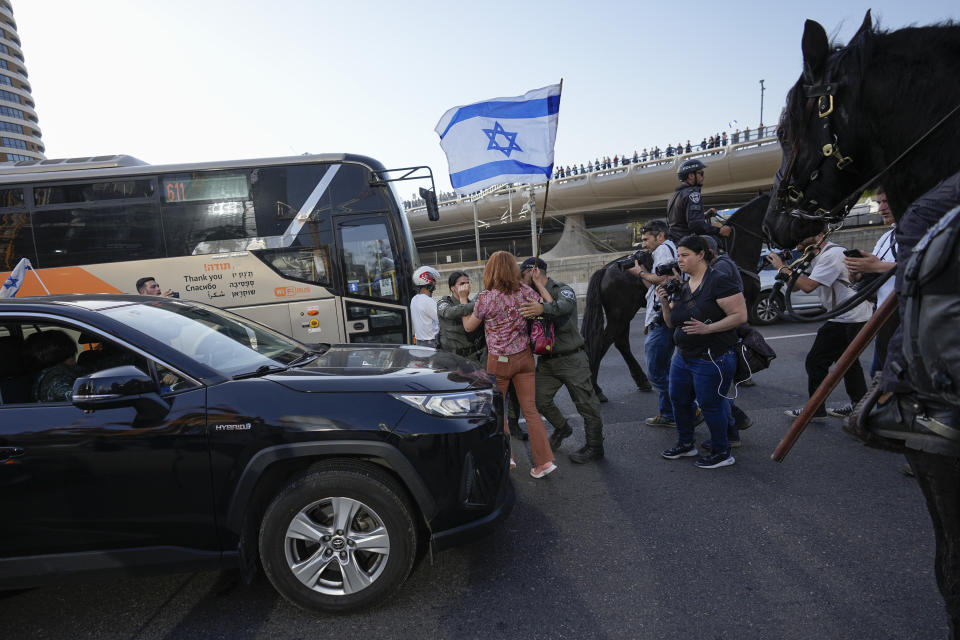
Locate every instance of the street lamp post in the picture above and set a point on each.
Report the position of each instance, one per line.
(762, 89)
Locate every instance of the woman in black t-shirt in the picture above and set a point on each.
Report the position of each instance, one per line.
(704, 316)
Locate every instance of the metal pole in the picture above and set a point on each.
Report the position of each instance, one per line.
(762, 89)
(860, 342)
(476, 230)
(543, 215)
(533, 222)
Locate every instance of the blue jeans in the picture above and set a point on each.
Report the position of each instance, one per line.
(697, 380)
(658, 350)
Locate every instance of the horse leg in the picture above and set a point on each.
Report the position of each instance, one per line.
(622, 343)
(939, 479)
(605, 343)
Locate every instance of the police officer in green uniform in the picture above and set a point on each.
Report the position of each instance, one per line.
(455, 339)
(566, 365)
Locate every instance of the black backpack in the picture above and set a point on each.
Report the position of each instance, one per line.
(931, 311)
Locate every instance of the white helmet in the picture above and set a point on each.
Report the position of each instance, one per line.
(426, 277)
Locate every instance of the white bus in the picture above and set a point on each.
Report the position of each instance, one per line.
(315, 246)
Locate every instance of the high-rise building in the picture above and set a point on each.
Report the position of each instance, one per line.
(19, 131)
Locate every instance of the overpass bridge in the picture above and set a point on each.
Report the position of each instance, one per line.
(591, 202)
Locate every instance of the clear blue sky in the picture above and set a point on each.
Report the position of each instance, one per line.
(183, 81)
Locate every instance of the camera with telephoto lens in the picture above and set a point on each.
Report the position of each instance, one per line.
(865, 280)
(785, 257)
(668, 269)
(673, 287)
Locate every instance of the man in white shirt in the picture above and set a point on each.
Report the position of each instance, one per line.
(658, 345)
(883, 258)
(829, 276)
(423, 308)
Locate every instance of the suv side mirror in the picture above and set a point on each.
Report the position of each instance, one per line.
(124, 386)
(430, 201)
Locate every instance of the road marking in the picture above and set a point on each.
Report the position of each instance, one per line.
(793, 335)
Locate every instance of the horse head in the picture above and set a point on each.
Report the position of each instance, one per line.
(822, 148)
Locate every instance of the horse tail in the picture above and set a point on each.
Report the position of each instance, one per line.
(593, 318)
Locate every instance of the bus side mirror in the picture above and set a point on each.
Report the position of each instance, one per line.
(430, 199)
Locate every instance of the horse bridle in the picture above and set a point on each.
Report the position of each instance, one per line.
(820, 96)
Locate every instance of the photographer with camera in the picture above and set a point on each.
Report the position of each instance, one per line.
(658, 345)
(704, 313)
(864, 267)
(829, 276)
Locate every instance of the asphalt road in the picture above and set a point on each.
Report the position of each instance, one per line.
(835, 542)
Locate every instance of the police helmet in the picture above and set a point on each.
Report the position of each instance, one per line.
(689, 166)
(426, 277)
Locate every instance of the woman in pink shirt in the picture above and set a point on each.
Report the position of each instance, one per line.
(508, 345)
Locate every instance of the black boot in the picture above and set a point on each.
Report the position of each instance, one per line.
(643, 384)
(559, 435)
(517, 432)
(587, 454)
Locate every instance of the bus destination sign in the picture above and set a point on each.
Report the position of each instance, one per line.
(190, 188)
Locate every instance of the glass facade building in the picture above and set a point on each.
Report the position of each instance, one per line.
(21, 138)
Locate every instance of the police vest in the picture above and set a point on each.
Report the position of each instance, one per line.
(931, 311)
(677, 213)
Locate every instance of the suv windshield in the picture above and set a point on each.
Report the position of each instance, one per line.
(221, 341)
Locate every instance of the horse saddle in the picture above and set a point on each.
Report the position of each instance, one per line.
(904, 421)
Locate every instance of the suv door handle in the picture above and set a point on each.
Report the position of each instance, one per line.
(10, 452)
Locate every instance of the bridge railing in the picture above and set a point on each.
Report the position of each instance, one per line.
(732, 150)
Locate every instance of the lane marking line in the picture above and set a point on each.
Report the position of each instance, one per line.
(793, 335)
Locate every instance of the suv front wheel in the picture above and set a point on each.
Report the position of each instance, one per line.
(339, 538)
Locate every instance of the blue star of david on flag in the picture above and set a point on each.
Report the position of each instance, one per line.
(15, 280)
(511, 137)
(530, 118)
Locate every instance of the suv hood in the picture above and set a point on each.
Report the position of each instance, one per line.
(361, 368)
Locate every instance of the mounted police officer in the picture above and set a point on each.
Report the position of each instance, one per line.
(566, 366)
(685, 213)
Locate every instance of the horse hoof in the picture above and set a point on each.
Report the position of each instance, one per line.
(601, 397)
(646, 386)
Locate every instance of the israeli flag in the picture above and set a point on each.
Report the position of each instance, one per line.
(15, 280)
(501, 140)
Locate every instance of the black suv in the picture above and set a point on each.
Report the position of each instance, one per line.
(144, 434)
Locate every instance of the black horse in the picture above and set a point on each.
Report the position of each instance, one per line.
(614, 296)
(851, 114)
(863, 114)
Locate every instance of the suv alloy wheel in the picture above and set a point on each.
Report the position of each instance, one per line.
(339, 538)
(764, 311)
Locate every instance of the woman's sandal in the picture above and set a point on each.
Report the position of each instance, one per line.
(544, 470)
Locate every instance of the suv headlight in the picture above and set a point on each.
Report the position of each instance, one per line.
(467, 404)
